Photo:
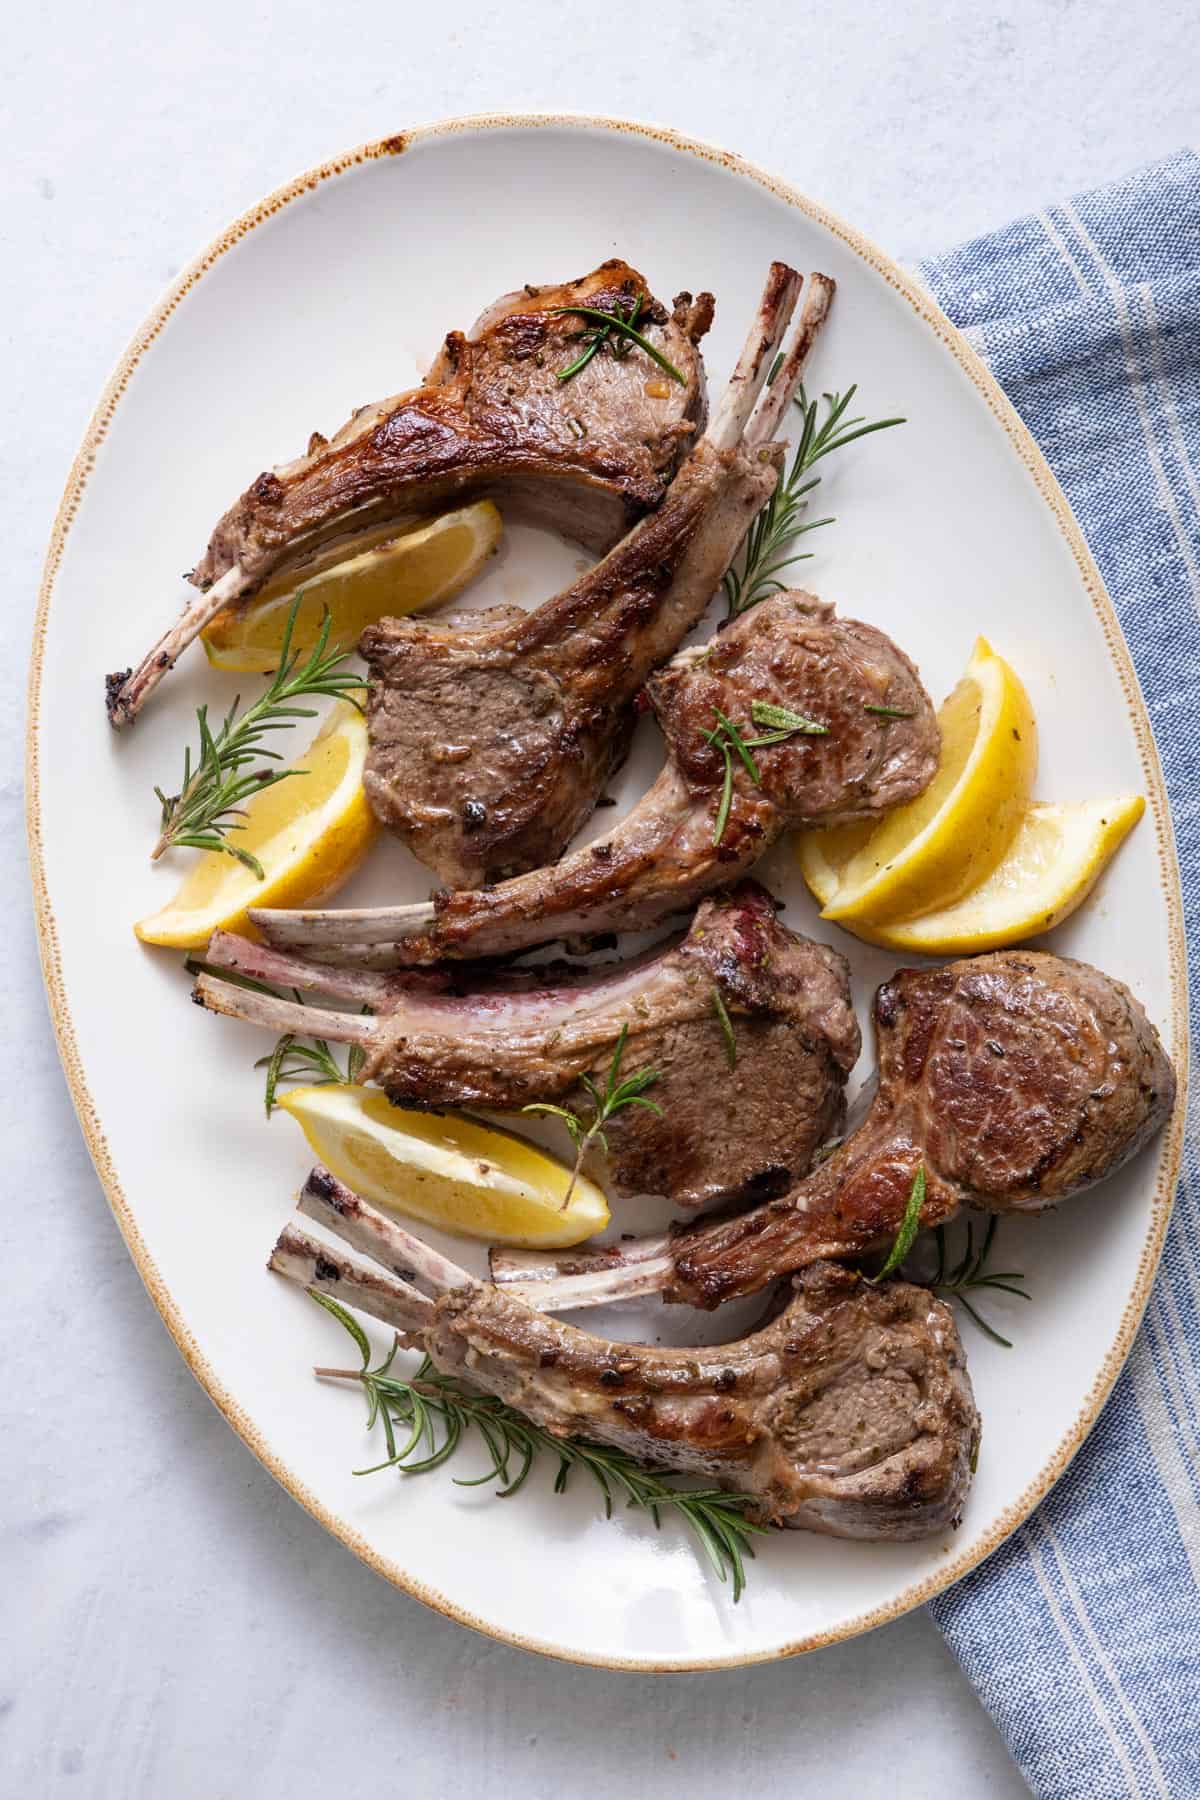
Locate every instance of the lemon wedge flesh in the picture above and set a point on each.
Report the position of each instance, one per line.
(397, 575)
(1052, 865)
(309, 833)
(929, 853)
(453, 1172)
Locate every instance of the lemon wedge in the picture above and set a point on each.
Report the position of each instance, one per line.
(387, 578)
(309, 833)
(929, 853)
(453, 1172)
(1052, 865)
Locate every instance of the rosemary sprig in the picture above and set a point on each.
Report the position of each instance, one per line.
(600, 335)
(971, 1273)
(770, 543)
(434, 1413)
(211, 800)
(619, 1091)
(616, 330)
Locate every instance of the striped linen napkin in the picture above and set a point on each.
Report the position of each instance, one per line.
(1082, 1634)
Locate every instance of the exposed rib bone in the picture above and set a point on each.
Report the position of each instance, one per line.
(332, 1204)
(312, 1264)
(280, 1015)
(511, 1267)
(348, 927)
(258, 961)
(127, 693)
(775, 310)
(817, 300)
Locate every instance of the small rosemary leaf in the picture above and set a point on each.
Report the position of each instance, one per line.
(616, 321)
(988, 1330)
(726, 1024)
(559, 1112)
(889, 712)
(639, 1100)
(739, 744)
(909, 1227)
(726, 800)
(782, 718)
(346, 1320)
(275, 1064)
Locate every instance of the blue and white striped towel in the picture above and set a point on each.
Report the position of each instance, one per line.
(1082, 1634)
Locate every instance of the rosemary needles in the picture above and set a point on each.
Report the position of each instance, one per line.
(211, 801)
(619, 1091)
(615, 332)
(425, 1419)
(770, 545)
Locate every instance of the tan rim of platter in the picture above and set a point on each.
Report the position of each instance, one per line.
(1031, 457)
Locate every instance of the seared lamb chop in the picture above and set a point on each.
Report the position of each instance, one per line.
(1015, 1080)
(588, 455)
(725, 1132)
(851, 1413)
(492, 741)
(791, 652)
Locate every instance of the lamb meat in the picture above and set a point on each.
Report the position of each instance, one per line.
(850, 1413)
(746, 1131)
(1015, 1080)
(792, 652)
(490, 742)
(588, 456)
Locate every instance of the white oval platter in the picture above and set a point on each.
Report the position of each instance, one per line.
(335, 291)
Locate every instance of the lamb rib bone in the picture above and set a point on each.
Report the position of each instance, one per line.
(491, 739)
(790, 651)
(530, 1035)
(491, 418)
(1016, 1079)
(850, 1413)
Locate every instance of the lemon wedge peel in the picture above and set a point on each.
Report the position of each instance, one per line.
(1053, 863)
(446, 1169)
(932, 851)
(401, 574)
(309, 833)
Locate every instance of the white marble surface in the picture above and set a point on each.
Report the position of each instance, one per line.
(173, 1623)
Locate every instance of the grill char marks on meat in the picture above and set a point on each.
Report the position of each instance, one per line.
(791, 651)
(491, 742)
(850, 1413)
(1016, 1080)
(744, 1132)
(589, 455)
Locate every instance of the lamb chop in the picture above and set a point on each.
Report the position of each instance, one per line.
(492, 741)
(850, 1413)
(589, 455)
(706, 820)
(528, 1035)
(1015, 1080)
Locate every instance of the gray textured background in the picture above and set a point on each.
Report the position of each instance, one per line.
(173, 1624)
